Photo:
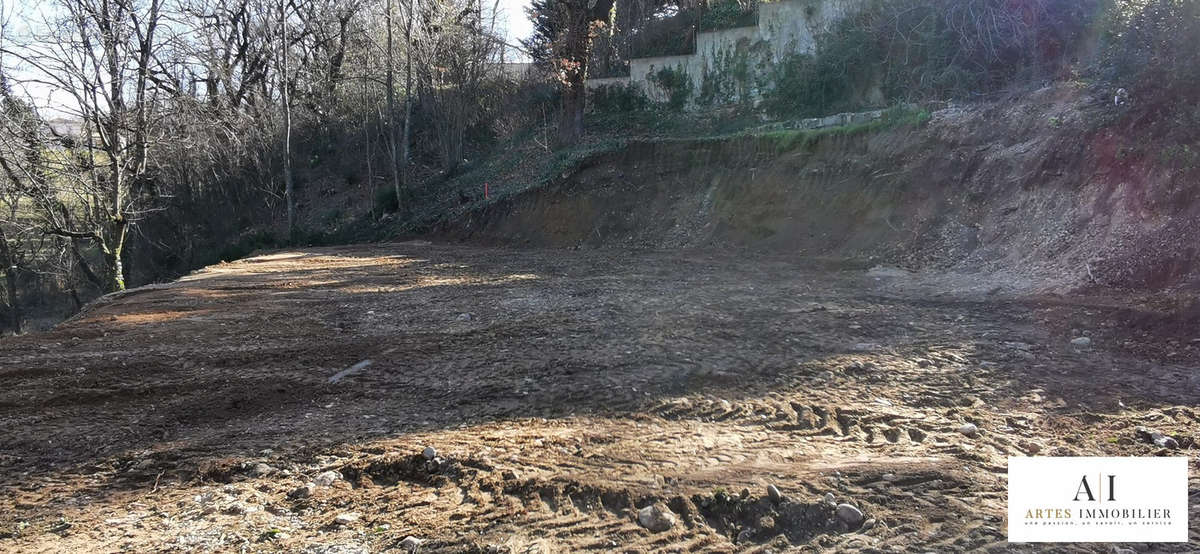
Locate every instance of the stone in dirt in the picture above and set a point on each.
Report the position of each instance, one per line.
(1156, 438)
(429, 453)
(774, 494)
(830, 498)
(260, 469)
(850, 515)
(656, 518)
(240, 508)
(435, 465)
(347, 518)
(969, 429)
(303, 491)
(1081, 341)
(327, 478)
(410, 544)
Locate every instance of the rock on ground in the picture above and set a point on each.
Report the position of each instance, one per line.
(850, 515)
(410, 544)
(327, 478)
(774, 494)
(656, 518)
(303, 491)
(1153, 436)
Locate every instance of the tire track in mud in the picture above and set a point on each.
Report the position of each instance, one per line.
(565, 391)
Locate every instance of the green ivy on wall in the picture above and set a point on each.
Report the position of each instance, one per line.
(736, 73)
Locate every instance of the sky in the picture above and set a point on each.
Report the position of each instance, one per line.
(20, 16)
(518, 25)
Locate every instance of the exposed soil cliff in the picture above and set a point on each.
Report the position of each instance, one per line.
(1052, 191)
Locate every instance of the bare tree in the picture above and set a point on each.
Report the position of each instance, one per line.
(245, 90)
(391, 103)
(408, 86)
(285, 85)
(9, 203)
(102, 54)
(456, 53)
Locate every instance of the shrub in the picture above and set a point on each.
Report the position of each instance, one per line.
(677, 85)
(385, 199)
(736, 73)
(623, 98)
(667, 36)
(248, 243)
(1150, 47)
(727, 14)
(915, 50)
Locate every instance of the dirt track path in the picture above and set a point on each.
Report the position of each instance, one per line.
(563, 390)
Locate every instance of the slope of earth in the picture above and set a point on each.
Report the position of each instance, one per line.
(1048, 191)
(564, 392)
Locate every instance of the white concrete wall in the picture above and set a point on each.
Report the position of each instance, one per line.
(515, 70)
(792, 26)
(606, 81)
(784, 28)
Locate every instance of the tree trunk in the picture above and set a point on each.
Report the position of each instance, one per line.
(391, 102)
(574, 73)
(570, 125)
(10, 279)
(112, 256)
(289, 189)
(408, 54)
(370, 154)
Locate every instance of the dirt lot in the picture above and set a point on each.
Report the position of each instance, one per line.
(563, 390)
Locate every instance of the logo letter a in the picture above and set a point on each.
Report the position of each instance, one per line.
(1083, 487)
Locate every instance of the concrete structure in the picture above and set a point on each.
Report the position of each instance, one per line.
(515, 70)
(734, 65)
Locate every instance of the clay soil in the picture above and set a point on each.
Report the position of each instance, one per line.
(563, 391)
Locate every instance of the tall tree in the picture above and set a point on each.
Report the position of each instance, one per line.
(408, 86)
(563, 31)
(391, 100)
(285, 85)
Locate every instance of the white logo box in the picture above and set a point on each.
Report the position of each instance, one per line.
(1084, 499)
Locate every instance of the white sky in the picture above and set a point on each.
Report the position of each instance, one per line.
(519, 26)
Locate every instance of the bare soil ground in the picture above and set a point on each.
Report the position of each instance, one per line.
(563, 391)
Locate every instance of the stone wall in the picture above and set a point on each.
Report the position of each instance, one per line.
(735, 65)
